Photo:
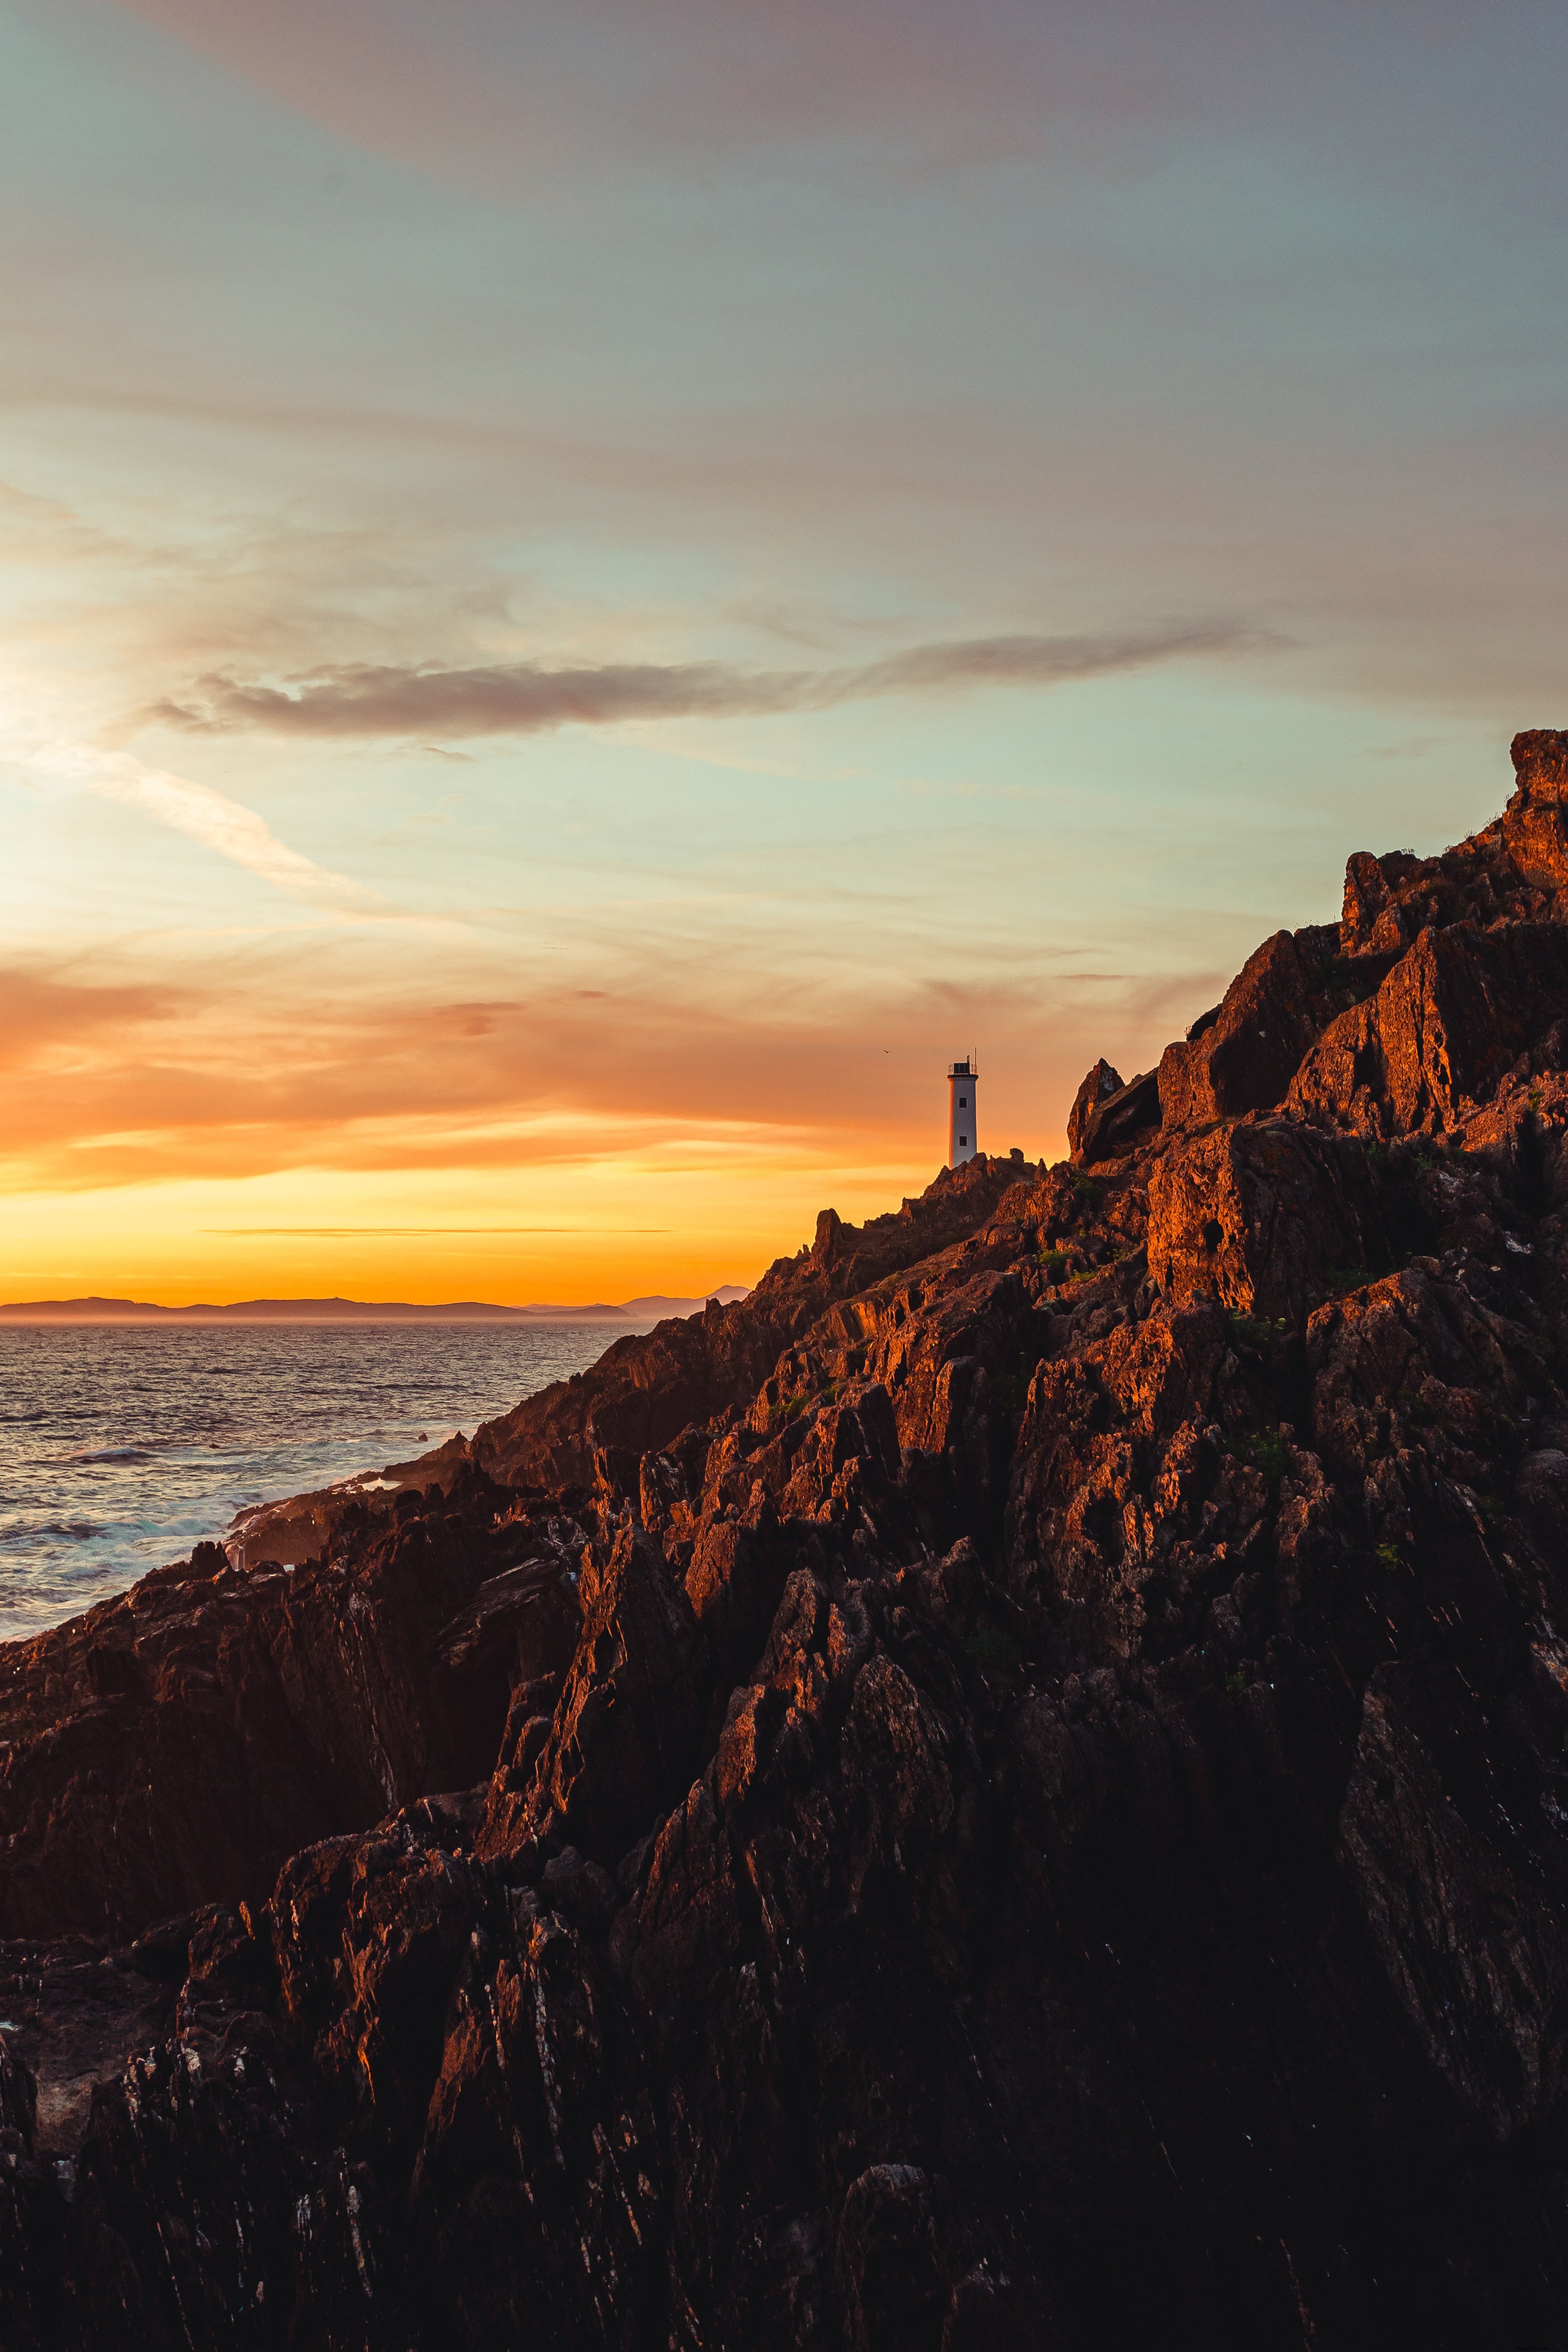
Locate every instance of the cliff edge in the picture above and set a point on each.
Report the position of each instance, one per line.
(1010, 1789)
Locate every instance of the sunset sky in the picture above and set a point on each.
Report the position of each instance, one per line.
(593, 592)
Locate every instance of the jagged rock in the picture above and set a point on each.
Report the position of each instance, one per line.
(204, 2213)
(1007, 1794)
(175, 1746)
(645, 1391)
(623, 1738)
(365, 1937)
(32, 2220)
(735, 1583)
(526, 1620)
(1271, 1013)
(537, 2203)
(1120, 1482)
(1475, 1948)
(1119, 1118)
(1448, 1022)
(1539, 757)
(1261, 1217)
(1101, 1082)
(1374, 922)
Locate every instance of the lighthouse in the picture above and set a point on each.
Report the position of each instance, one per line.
(962, 1136)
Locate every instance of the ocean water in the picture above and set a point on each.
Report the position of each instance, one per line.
(120, 1446)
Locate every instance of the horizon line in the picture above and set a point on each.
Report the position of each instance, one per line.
(99, 1308)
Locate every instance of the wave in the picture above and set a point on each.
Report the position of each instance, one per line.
(74, 1530)
(102, 1421)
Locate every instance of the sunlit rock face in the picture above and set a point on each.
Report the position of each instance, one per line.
(1008, 1790)
(1541, 768)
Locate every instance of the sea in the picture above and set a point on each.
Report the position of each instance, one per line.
(122, 1446)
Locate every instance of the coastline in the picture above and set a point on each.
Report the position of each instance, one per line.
(124, 1443)
(1037, 1733)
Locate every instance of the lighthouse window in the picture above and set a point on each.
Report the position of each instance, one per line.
(964, 1139)
(963, 1102)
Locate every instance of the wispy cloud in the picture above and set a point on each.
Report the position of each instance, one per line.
(219, 823)
(263, 1067)
(526, 697)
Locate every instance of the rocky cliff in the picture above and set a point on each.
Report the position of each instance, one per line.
(1009, 1791)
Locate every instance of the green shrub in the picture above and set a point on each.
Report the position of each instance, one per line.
(1387, 1555)
(1263, 1332)
(1266, 1452)
(1055, 1264)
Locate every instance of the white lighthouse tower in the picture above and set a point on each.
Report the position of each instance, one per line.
(963, 1134)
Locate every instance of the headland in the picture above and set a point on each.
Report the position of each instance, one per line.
(1006, 1789)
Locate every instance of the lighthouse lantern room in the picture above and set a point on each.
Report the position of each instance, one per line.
(963, 1134)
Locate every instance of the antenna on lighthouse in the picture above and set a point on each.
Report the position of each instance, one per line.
(963, 1119)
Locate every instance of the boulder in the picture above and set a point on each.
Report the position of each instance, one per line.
(1120, 1118)
(1373, 920)
(1540, 756)
(1101, 1082)
(1257, 1216)
(1272, 1012)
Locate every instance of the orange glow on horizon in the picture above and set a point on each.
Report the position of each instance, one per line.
(181, 1145)
(573, 1234)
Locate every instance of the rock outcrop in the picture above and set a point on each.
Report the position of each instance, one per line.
(1099, 1084)
(1010, 1789)
(1244, 1059)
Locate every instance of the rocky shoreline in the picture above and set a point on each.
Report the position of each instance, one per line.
(1009, 1789)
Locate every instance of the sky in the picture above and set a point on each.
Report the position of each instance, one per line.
(590, 595)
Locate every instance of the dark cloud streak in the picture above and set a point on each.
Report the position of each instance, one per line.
(525, 697)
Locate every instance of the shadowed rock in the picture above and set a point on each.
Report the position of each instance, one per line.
(1101, 1084)
(1005, 1795)
(1118, 1119)
(1271, 1013)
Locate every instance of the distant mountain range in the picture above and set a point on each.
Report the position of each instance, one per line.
(356, 1310)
